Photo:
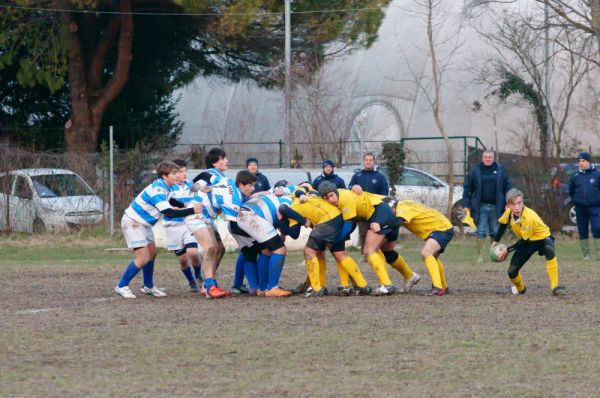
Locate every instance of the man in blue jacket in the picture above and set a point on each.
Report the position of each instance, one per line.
(484, 195)
(262, 182)
(369, 180)
(584, 189)
(329, 175)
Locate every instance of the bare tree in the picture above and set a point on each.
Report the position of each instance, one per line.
(442, 47)
(581, 15)
(518, 55)
(320, 104)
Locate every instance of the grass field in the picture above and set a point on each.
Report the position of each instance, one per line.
(65, 333)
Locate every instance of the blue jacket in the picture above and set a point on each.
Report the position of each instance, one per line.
(584, 187)
(333, 178)
(472, 190)
(371, 181)
(262, 183)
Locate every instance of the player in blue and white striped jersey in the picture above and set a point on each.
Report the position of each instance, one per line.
(179, 238)
(137, 222)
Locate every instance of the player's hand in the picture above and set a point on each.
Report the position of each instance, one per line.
(357, 189)
(375, 227)
(503, 254)
(198, 208)
(494, 243)
(282, 237)
(279, 191)
(303, 198)
(307, 223)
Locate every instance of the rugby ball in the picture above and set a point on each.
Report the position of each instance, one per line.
(495, 253)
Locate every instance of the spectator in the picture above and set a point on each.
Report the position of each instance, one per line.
(262, 182)
(484, 195)
(584, 189)
(369, 180)
(329, 175)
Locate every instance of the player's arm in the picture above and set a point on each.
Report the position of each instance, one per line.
(498, 236)
(293, 232)
(287, 213)
(175, 203)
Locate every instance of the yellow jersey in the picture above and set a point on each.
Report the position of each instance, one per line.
(421, 220)
(315, 209)
(357, 207)
(528, 227)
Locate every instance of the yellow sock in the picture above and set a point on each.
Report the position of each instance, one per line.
(351, 269)
(344, 276)
(518, 282)
(434, 271)
(378, 264)
(552, 270)
(322, 271)
(442, 274)
(312, 267)
(402, 267)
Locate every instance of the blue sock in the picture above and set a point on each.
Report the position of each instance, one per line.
(198, 271)
(263, 271)
(238, 276)
(208, 282)
(188, 274)
(148, 272)
(251, 271)
(275, 267)
(128, 275)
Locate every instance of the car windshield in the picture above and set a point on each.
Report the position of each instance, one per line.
(58, 185)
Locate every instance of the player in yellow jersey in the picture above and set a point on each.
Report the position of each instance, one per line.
(327, 223)
(436, 230)
(381, 236)
(534, 236)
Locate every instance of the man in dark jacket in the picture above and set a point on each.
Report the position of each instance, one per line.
(328, 175)
(369, 179)
(584, 189)
(484, 195)
(262, 182)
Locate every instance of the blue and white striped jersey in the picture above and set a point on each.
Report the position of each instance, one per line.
(265, 206)
(227, 198)
(146, 207)
(182, 193)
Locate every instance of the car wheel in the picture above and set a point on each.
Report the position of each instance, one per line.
(457, 213)
(571, 216)
(38, 226)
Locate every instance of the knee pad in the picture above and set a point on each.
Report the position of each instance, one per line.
(549, 251)
(390, 256)
(273, 244)
(513, 271)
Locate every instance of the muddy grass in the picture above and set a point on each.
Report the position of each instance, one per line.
(64, 333)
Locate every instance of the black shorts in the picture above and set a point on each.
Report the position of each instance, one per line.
(526, 248)
(325, 233)
(385, 217)
(442, 237)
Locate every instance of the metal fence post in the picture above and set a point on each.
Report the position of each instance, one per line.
(280, 153)
(112, 185)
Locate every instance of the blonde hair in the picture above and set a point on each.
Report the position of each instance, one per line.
(513, 194)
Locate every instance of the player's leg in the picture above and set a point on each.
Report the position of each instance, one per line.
(138, 237)
(430, 248)
(376, 260)
(350, 268)
(519, 258)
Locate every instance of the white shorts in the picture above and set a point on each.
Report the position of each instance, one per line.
(254, 225)
(195, 222)
(177, 236)
(136, 234)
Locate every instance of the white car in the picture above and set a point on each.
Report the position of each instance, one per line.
(423, 187)
(39, 200)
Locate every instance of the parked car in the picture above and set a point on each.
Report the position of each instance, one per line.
(38, 200)
(426, 188)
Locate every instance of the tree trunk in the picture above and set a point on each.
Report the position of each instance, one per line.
(89, 100)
